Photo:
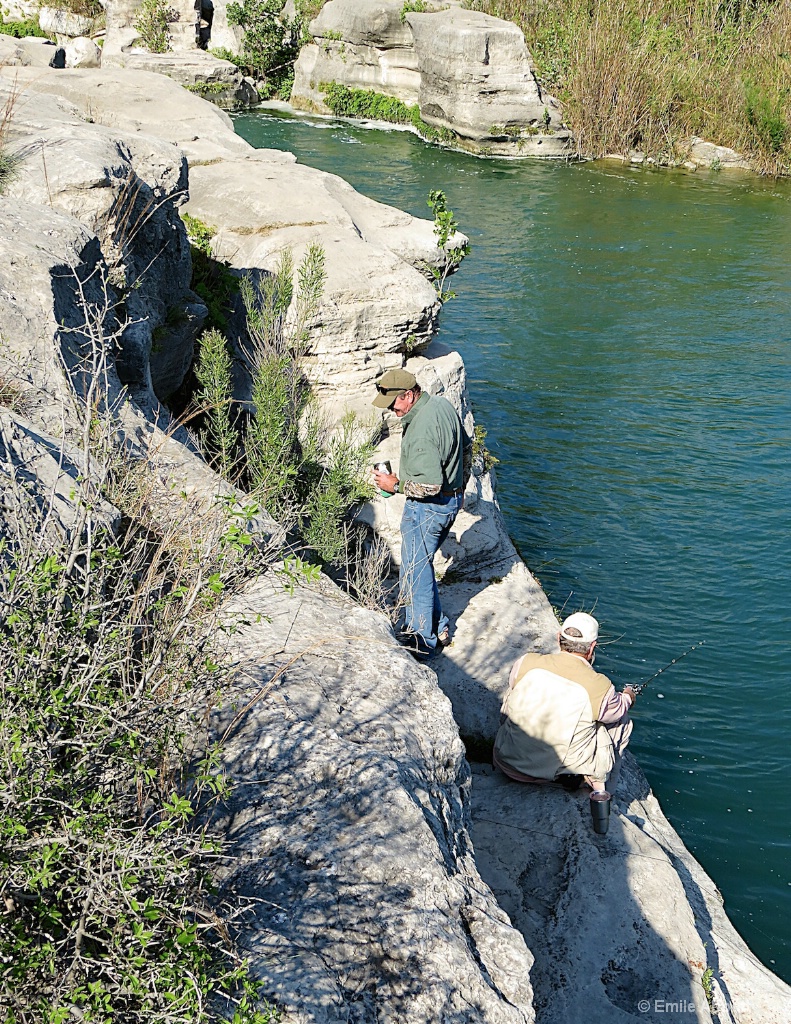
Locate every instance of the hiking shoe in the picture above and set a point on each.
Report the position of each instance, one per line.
(443, 639)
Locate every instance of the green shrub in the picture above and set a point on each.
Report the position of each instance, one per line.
(219, 439)
(211, 278)
(269, 47)
(107, 646)
(768, 119)
(86, 8)
(305, 475)
(416, 6)
(368, 104)
(151, 22)
(22, 29)
(445, 227)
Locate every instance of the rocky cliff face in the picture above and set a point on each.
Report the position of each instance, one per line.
(469, 73)
(351, 815)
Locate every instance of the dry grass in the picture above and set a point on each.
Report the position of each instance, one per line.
(649, 74)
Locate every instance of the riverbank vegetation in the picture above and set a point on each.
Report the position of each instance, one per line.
(648, 75)
(109, 646)
(278, 448)
(368, 104)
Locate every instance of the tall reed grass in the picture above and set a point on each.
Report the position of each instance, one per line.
(649, 74)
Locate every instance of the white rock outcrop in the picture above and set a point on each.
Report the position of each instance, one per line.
(476, 79)
(126, 188)
(349, 825)
(64, 24)
(469, 73)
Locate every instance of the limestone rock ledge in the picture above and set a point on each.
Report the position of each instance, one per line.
(349, 823)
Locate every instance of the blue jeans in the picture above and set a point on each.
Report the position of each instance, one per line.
(424, 526)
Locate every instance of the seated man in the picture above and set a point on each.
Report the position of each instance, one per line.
(559, 717)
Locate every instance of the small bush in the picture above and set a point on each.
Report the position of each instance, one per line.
(108, 644)
(269, 47)
(86, 8)
(219, 440)
(152, 21)
(413, 6)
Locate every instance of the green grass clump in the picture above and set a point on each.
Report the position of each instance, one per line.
(375, 106)
(650, 74)
(22, 29)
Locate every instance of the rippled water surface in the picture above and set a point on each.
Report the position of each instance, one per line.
(627, 335)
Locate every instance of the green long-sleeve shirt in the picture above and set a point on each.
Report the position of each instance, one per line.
(432, 445)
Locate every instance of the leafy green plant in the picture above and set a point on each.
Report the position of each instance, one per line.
(108, 637)
(153, 17)
(416, 6)
(212, 280)
(302, 473)
(269, 47)
(481, 456)
(368, 104)
(219, 439)
(86, 8)
(767, 117)
(445, 227)
(207, 88)
(22, 29)
(706, 981)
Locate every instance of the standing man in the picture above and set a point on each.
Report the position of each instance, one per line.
(432, 480)
(561, 720)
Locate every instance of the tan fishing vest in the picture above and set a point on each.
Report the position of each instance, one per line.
(550, 726)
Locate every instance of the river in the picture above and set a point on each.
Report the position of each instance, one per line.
(627, 336)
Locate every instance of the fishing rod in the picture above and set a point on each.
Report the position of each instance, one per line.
(639, 687)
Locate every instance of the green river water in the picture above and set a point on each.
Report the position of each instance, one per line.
(627, 336)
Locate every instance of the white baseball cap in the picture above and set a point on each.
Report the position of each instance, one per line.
(586, 624)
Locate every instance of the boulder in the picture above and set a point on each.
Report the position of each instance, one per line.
(373, 299)
(348, 824)
(470, 74)
(83, 53)
(39, 476)
(363, 44)
(707, 154)
(31, 52)
(58, 21)
(476, 79)
(622, 926)
(58, 320)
